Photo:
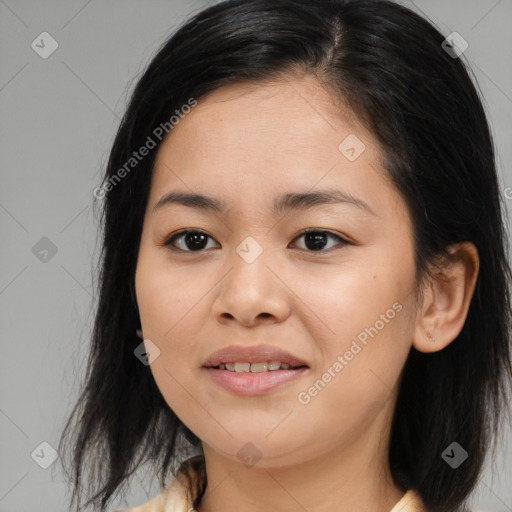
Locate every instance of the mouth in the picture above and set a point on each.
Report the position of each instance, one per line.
(257, 367)
(253, 359)
(253, 370)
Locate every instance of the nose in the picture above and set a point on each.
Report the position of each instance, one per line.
(252, 293)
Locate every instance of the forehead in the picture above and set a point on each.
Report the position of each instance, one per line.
(292, 117)
(291, 108)
(275, 136)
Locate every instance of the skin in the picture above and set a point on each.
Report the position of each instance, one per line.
(246, 144)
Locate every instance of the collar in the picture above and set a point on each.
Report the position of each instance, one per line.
(190, 481)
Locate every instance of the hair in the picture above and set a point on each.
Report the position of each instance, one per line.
(388, 64)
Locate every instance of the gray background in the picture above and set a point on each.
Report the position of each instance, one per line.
(58, 117)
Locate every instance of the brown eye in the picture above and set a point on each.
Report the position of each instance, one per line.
(193, 240)
(190, 240)
(316, 240)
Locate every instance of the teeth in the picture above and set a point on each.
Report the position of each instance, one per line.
(254, 367)
(257, 367)
(242, 367)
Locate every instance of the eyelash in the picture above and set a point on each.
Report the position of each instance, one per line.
(170, 240)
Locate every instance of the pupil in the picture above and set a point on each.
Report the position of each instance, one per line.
(195, 238)
(317, 238)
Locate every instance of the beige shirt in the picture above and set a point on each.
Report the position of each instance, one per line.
(179, 496)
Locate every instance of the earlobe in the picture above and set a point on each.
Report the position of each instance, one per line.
(446, 298)
(430, 337)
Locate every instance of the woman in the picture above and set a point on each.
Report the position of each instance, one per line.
(304, 295)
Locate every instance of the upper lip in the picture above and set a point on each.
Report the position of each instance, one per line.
(252, 354)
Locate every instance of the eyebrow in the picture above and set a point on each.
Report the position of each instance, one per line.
(282, 203)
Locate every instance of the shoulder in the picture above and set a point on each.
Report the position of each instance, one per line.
(173, 499)
(179, 496)
(410, 502)
(156, 504)
(168, 501)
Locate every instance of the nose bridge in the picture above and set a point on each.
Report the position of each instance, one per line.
(249, 265)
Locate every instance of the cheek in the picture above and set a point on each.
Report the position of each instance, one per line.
(173, 308)
(166, 295)
(365, 318)
(171, 311)
(363, 349)
(172, 315)
(339, 306)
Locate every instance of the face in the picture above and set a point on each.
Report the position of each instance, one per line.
(341, 297)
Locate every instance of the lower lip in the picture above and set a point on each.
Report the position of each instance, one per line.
(248, 383)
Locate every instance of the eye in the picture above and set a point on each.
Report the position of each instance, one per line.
(316, 239)
(193, 238)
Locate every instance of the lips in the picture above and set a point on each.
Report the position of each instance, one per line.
(252, 354)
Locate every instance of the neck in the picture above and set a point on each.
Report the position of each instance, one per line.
(354, 477)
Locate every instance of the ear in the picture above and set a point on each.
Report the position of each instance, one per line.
(446, 298)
